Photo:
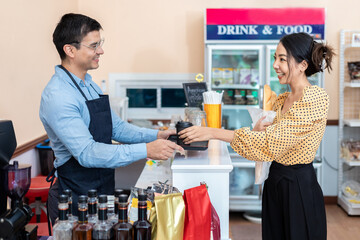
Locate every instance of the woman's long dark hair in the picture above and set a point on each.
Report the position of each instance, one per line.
(301, 46)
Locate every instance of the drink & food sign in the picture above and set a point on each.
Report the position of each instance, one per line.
(263, 23)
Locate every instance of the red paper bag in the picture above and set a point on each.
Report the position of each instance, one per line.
(197, 214)
(215, 224)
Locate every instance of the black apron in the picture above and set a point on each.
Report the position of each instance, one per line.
(72, 175)
(293, 204)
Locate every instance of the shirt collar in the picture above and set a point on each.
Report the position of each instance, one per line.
(79, 81)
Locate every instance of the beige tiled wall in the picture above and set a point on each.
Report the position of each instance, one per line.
(141, 36)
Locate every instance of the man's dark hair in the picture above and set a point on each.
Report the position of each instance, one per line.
(71, 29)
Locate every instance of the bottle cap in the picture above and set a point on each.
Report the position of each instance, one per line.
(123, 198)
(68, 192)
(92, 193)
(255, 94)
(142, 197)
(103, 199)
(118, 191)
(63, 198)
(82, 199)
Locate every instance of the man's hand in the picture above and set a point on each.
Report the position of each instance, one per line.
(161, 149)
(166, 133)
(260, 125)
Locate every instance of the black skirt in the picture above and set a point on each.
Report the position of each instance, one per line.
(293, 204)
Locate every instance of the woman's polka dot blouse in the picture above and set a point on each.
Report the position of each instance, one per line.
(294, 136)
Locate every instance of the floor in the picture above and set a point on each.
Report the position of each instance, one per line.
(339, 225)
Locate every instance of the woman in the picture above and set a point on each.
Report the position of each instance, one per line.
(293, 205)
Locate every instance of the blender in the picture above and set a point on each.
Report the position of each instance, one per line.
(14, 183)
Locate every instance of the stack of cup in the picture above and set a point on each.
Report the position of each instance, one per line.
(212, 107)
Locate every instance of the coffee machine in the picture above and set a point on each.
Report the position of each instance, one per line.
(14, 183)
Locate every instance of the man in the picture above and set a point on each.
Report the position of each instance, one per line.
(79, 122)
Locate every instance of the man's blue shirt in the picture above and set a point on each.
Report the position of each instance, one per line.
(66, 119)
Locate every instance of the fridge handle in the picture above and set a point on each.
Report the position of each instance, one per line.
(261, 96)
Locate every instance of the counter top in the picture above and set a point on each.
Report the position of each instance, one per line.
(215, 159)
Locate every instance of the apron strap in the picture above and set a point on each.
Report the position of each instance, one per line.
(50, 178)
(73, 80)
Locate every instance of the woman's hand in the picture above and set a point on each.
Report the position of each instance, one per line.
(260, 125)
(196, 134)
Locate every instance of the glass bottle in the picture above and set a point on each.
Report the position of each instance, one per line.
(92, 206)
(102, 229)
(83, 230)
(123, 229)
(113, 218)
(63, 228)
(72, 219)
(142, 228)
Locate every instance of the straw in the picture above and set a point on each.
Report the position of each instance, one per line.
(212, 97)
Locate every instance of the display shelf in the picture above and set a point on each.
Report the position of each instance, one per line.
(352, 122)
(352, 85)
(234, 86)
(240, 197)
(350, 208)
(239, 107)
(243, 163)
(244, 205)
(349, 97)
(351, 163)
(346, 46)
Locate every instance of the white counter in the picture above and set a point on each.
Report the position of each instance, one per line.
(211, 166)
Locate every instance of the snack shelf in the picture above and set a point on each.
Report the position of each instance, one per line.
(351, 163)
(352, 122)
(239, 107)
(234, 86)
(349, 110)
(352, 85)
(351, 46)
(350, 208)
(244, 163)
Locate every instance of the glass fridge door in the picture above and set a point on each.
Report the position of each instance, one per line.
(271, 76)
(238, 71)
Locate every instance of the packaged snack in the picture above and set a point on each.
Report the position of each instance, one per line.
(354, 70)
(228, 76)
(254, 76)
(245, 76)
(217, 76)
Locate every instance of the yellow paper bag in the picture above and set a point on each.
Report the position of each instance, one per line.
(170, 214)
(153, 221)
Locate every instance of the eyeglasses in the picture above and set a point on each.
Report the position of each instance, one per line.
(93, 46)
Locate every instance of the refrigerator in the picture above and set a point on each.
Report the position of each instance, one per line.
(240, 65)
